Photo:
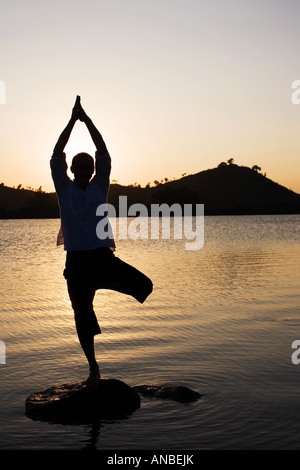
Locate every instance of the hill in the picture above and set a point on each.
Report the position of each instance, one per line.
(27, 204)
(232, 189)
(229, 189)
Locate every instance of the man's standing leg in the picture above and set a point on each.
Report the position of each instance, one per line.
(82, 296)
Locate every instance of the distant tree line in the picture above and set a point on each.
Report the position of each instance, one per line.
(227, 189)
(28, 188)
(231, 160)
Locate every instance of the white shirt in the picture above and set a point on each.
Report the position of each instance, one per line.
(78, 207)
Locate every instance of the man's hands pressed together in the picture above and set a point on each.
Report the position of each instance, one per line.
(76, 110)
(78, 113)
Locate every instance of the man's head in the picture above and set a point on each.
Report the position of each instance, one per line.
(83, 168)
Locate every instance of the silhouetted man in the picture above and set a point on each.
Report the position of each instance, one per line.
(90, 261)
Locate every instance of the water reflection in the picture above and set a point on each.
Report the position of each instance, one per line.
(220, 320)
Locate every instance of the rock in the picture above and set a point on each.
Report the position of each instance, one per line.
(172, 392)
(77, 403)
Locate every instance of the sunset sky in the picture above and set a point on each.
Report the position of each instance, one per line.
(174, 86)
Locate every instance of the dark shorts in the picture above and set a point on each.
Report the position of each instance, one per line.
(88, 271)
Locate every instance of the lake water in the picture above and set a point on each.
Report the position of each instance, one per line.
(221, 320)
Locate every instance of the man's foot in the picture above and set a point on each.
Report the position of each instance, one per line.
(94, 377)
(92, 381)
